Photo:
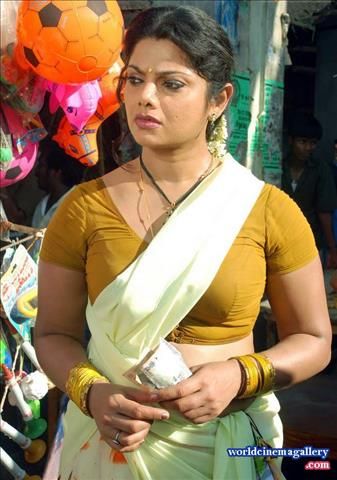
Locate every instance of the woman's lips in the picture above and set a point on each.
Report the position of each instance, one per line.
(146, 122)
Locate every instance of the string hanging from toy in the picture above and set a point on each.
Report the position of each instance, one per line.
(6, 389)
(33, 234)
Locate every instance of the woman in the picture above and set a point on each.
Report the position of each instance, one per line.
(180, 245)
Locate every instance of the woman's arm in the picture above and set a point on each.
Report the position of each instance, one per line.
(298, 302)
(59, 330)
(59, 341)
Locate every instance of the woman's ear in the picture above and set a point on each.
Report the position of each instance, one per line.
(220, 102)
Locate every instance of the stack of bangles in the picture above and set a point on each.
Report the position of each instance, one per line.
(257, 375)
(81, 377)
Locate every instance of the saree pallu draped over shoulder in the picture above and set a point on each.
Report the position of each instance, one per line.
(145, 303)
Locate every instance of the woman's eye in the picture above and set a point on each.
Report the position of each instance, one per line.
(133, 80)
(173, 84)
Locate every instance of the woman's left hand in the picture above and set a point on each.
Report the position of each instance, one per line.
(204, 395)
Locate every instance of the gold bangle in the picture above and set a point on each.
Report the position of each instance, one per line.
(257, 375)
(269, 373)
(253, 376)
(243, 384)
(80, 379)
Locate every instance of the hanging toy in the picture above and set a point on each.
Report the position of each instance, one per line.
(34, 449)
(26, 305)
(23, 160)
(34, 386)
(20, 276)
(25, 345)
(6, 147)
(83, 145)
(14, 469)
(5, 352)
(21, 89)
(37, 426)
(16, 393)
(69, 42)
(79, 102)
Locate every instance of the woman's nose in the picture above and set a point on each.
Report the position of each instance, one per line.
(148, 93)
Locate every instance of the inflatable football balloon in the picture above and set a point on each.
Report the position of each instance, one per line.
(69, 41)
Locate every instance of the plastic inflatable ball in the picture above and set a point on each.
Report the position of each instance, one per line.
(82, 145)
(22, 161)
(69, 41)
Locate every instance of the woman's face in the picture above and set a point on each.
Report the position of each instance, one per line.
(165, 99)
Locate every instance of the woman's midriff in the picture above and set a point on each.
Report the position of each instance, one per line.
(200, 354)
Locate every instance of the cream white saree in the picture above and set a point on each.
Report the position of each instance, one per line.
(146, 302)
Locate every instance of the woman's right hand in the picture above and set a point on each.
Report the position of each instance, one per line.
(116, 408)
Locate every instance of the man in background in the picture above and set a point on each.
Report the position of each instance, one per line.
(309, 181)
(56, 174)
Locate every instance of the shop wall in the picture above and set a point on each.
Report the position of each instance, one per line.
(260, 60)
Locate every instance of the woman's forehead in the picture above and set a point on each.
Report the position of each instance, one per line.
(151, 53)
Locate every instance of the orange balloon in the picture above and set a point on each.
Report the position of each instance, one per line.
(83, 145)
(69, 41)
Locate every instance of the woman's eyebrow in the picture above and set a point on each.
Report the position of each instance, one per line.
(163, 72)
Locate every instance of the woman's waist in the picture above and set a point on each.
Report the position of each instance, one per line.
(194, 354)
(193, 331)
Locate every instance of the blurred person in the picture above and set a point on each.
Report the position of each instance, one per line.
(20, 199)
(56, 174)
(308, 180)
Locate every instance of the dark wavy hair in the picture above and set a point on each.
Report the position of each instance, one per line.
(304, 125)
(201, 38)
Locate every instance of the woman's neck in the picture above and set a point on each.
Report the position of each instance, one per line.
(177, 165)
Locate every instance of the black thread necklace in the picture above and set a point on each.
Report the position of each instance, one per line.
(173, 205)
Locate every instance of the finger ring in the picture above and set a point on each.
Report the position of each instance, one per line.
(115, 439)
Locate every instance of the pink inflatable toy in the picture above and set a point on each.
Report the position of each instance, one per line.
(23, 159)
(79, 102)
(82, 145)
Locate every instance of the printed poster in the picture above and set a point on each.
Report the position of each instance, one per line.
(18, 290)
(239, 117)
